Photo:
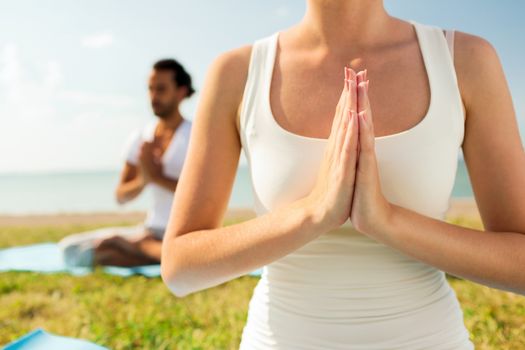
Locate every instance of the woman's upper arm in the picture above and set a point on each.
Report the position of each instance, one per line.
(492, 146)
(209, 170)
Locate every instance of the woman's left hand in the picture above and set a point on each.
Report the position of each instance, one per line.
(370, 210)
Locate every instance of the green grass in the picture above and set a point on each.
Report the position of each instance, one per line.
(140, 313)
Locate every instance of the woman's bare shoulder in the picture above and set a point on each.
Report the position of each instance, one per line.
(227, 77)
(476, 62)
(234, 62)
(467, 43)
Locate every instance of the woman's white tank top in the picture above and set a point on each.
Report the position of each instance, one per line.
(344, 290)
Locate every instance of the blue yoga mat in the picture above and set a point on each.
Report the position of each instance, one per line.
(46, 258)
(39, 339)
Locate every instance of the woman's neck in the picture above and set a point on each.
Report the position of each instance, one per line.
(335, 23)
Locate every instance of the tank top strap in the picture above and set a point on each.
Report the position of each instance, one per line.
(435, 49)
(449, 35)
(437, 52)
(261, 59)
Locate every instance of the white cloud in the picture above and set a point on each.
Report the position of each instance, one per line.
(88, 98)
(98, 40)
(45, 127)
(21, 95)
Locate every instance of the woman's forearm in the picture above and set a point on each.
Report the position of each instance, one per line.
(201, 259)
(495, 259)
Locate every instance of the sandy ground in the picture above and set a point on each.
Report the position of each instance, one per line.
(66, 219)
(459, 207)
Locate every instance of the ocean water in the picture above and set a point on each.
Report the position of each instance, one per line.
(94, 192)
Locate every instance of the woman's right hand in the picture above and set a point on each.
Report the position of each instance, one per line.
(331, 197)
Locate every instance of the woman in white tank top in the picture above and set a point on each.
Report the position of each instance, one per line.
(350, 228)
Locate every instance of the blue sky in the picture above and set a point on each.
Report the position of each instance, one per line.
(73, 73)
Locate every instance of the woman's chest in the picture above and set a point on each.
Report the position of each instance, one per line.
(416, 170)
(303, 97)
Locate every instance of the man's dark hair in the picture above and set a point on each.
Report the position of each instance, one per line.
(181, 77)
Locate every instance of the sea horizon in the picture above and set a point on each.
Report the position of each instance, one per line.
(85, 191)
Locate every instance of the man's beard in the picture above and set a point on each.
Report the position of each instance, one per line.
(165, 112)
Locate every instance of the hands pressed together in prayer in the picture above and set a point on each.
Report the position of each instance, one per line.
(150, 162)
(348, 185)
